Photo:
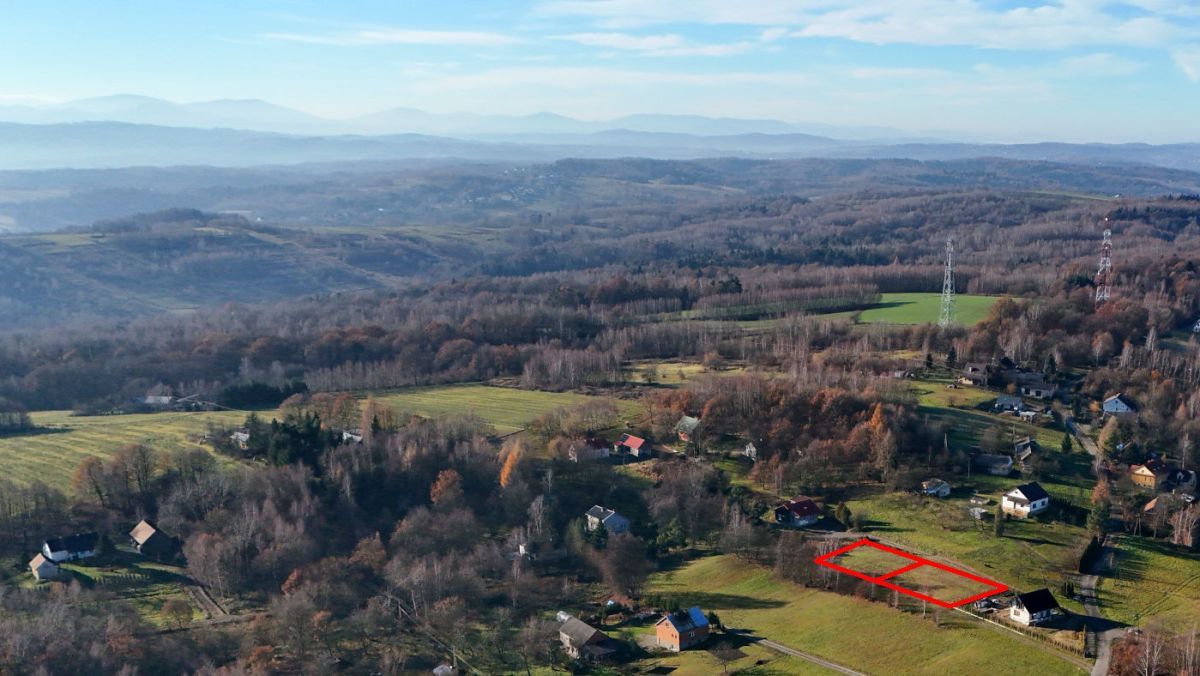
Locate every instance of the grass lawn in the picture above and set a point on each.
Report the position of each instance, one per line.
(1031, 554)
(940, 584)
(861, 634)
(664, 372)
(1153, 581)
(871, 561)
(51, 456)
(505, 408)
(152, 584)
(705, 663)
(925, 308)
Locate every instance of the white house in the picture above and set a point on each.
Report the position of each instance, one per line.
(936, 488)
(1025, 500)
(613, 522)
(1116, 405)
(71, 548)
(750, 451)
(1034, 608)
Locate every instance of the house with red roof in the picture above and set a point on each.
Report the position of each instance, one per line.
(635, 446)
(798, 512)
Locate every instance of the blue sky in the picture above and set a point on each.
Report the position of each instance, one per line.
(1073, 70)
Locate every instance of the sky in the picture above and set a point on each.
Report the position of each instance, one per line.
(1072, 70)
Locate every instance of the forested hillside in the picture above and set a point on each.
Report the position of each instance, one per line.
(281, 236)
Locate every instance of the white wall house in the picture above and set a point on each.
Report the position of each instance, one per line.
(1025, 500)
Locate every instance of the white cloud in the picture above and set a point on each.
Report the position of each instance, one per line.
(655, 45)
(1100, 64)
(1053, 24)
(1188, 60)
(400, 36)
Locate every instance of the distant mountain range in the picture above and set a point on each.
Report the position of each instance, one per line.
(258, 115)
(120, 144)
(129, 130)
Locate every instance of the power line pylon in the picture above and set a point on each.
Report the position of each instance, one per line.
(1104, 273)
(946, 318)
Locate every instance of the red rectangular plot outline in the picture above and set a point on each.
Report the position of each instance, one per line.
(917, 562)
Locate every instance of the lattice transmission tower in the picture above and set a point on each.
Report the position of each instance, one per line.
(1104, 274)
(946, 318)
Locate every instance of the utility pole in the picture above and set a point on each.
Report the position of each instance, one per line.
(947, 315)
(1104, 273)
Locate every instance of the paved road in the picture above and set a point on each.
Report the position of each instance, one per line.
(1105, 630)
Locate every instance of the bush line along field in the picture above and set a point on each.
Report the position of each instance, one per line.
(52, 454)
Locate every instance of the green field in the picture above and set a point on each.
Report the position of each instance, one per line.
(921, 308)
(1030, 555)
(1153, 581)
(505, 408)
(51, 456)
(864, 635)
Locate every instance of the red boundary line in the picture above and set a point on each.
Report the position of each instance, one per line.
(918, 562)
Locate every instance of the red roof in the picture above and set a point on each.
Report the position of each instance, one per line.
(803, 507)
(631, 441)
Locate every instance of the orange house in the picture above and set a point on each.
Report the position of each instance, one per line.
(1150, 475)
(682, 630)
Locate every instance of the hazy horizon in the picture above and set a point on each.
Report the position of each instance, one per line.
(1074, 70)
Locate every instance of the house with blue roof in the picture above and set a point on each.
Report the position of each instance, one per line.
(682, 630)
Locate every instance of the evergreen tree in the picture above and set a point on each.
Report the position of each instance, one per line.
(929, 360)
(951, 358)
(1067, 446)
(998, 524)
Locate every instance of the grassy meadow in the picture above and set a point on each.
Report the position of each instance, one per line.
(864, 635)
(921, 308)
(505, 408)
(53, 453)
(1152, 580)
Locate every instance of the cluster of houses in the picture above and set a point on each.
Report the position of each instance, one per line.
(1025, 382)
(675, 632)
(147, 539)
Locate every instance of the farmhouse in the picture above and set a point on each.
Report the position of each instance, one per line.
(686, 427)
(71, 548)
(150, 541)
(1117, 405)
(584, 450)
(583, 641)
(1151, 475)
(1023, 450)
(998, 465)
(975, 374)
(1033, 385)
(798, 512)
(682, 630)
(936, 488)
(613, 522)
(1008, 402)
(43, 568)
(1034, 607)
(1025, 500)
(635, 446)
(240, 438)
